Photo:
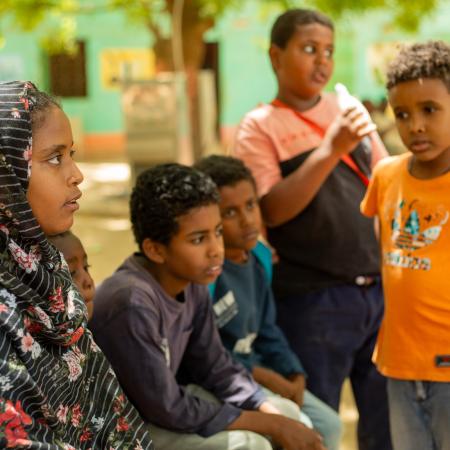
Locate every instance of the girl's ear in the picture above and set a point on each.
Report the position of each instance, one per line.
(154, 251)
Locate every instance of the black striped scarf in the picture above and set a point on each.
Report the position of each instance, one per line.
(56, 388)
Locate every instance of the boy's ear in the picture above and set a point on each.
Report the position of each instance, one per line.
(274, 55)
(154, 251)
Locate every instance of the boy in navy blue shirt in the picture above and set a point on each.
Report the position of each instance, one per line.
(154, 320)
(243, 301)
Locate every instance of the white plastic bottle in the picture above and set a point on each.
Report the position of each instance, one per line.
(346, 100)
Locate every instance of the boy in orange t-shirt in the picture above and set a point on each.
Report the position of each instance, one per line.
(410, 196)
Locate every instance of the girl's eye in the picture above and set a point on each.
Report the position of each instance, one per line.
(72, 153)
(429, 109)
(87, 267)
(219, 232)
(56, 160)
(197, 240)
(328, 53)
(310, 49)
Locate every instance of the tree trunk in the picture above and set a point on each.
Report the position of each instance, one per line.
(193, 30)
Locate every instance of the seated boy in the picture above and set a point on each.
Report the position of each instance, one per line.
(153, 319)
(243, 299)
(75, 255)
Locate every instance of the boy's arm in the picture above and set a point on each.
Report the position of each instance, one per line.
(369, 204)
(292, 388)
(271, 345)
(285, 375)
(292, 194)
(211, 365)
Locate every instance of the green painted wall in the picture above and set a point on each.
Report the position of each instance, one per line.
(100, 111)
(246, 76)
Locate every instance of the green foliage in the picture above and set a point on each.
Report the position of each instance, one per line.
(59, 15)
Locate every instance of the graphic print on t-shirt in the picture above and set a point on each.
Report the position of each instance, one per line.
(225, 309)
(414, 226)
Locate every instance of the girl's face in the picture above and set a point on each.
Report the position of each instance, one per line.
(53, 186)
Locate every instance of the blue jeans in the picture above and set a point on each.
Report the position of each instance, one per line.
(419, 412)
(324, 419)
(333, 332)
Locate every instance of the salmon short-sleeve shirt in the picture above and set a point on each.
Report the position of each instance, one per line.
(269, 135)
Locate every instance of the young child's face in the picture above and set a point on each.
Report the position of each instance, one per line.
(195, 252)
(240, 215)
(53, 186)
(422, 115)
(76, 258)
(305, 65)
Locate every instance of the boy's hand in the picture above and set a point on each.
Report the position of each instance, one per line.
(292, 388)
(284, 432)
(274, 382)
(293, 435)
(298, 384)
(347, 130)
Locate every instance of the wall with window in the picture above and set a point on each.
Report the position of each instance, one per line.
(245, 74)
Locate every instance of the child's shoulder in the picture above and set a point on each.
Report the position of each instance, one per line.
(391, 165)
(263, 257)
(262, 112)
(129, 286)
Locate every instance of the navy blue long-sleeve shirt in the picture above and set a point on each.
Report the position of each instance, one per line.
(245, 314)
(149, 336)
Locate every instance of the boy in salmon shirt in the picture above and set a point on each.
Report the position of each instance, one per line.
(311, 163)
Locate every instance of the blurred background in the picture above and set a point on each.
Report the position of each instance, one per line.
(150, 81)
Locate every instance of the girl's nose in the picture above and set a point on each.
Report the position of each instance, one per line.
(76, 175)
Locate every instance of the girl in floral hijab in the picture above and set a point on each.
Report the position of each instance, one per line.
(57, 391)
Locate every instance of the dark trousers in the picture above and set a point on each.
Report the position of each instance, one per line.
(333, 331)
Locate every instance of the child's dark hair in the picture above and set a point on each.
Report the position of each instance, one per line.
(164, 193)
(40, 103)
(225, 170)
(422, 60)
(286, 24)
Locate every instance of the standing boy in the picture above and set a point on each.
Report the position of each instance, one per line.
(153, 318)
(311, 169)
(410, 195)
(243, 301)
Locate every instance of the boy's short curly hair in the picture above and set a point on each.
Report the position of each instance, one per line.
(422, 60)
(164, 193)
(286, 24)
(225, 170)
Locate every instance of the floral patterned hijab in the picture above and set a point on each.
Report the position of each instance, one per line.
(56, 388)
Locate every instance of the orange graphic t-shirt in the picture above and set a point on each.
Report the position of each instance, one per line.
(414, 215)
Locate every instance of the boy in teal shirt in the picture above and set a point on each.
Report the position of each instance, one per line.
(243, 301)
